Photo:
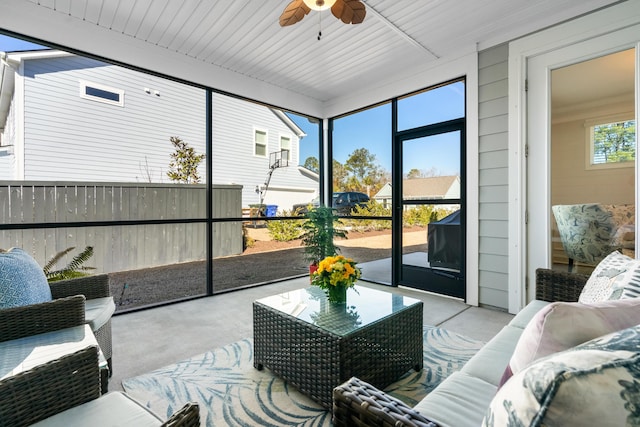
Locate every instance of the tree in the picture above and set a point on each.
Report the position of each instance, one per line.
(365, 174)
(339, 176)
(183, 167)
(414, 173)
(614, 142)
(312, 164)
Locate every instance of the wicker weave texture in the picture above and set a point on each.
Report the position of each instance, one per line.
(50, 388)
(378, 408)
(316, 361)
(91, 287)
(552, 285)
(19, 322)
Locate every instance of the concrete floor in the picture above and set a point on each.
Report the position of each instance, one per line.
(150, 339)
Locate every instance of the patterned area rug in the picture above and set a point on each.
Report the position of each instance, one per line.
(231, 392)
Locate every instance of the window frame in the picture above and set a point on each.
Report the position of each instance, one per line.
(84, 84)
(257, 130)
(589, 126)
(290, 138)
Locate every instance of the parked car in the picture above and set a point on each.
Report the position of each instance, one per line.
(343, 202)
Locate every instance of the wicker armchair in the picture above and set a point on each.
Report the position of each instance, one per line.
(94, 288)
(63, 388)
(356, 403)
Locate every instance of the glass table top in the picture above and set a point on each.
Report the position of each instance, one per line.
(364, 306)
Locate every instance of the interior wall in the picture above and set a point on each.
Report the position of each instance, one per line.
(571, 181)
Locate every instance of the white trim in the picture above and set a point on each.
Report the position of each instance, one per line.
(586, 28)
(589, 126)
(84, 84)
(290, 148)
(255, 143)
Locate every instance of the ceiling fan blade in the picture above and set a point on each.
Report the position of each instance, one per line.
(294, 12)
(349, 11)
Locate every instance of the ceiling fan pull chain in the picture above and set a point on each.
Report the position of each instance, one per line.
(319, 25)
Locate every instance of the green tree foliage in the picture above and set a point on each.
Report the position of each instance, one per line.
(414, 173)
(183, 167)
(312, 164)
(372, 208)
(359, 173)
(614, 142)
(319, 231)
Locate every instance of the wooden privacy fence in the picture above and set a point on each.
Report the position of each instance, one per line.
(122, 247)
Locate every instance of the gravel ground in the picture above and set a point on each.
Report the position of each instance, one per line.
(265, 261)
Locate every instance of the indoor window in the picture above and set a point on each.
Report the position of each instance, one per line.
(612, 142)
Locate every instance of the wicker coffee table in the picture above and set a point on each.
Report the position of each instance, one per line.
(315, 345)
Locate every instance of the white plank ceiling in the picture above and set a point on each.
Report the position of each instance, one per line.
(243, 38)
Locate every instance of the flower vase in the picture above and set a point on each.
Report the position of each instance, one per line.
(337, 294)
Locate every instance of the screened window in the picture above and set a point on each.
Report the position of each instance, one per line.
(285, 144)
(612, 143)
(101, 93)
(260, 143)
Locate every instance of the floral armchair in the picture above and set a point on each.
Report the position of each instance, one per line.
(591, 231)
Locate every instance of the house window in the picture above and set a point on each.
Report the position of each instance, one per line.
(101, 93)
(285, 144)
(260, 143)
(612, 142)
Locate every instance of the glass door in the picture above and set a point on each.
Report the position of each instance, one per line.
(432, 257)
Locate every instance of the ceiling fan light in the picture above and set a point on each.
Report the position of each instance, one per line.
(319, 4)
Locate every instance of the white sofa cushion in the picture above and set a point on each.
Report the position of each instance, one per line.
(490, 361)
(113, 409)
(460, 400)
(595, 383)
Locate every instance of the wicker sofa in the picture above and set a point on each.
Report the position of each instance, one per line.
(66, 392)
(464, 397)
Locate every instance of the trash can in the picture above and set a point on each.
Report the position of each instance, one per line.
(271, 210)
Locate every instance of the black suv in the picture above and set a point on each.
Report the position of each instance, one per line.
(343, 202)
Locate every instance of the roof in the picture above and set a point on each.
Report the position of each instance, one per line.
(433, 187)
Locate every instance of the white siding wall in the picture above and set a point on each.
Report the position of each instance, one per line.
(234, 121)
(91, 140)
(96, 141)
(8, 140)
(493, 183)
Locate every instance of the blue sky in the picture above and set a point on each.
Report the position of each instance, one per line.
(372, 128)
(8, 44)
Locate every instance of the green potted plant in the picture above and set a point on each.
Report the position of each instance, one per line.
(319, 232)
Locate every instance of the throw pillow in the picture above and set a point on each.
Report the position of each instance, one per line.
(22, 281)
(606, 281)
(562, 325)
(595, 383)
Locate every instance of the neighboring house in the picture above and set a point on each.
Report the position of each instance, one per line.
(102, 122)
(437, 187)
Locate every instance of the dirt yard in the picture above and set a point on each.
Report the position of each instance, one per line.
(267, 260)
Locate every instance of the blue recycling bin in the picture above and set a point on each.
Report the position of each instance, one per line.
(271, 210)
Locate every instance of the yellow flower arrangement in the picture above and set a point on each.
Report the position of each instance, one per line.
(334, 275)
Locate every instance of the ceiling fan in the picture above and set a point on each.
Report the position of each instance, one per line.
(348, 11)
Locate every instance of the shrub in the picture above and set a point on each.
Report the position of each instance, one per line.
(285, 230)
(372, 208)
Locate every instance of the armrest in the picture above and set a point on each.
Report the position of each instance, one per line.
(50, 388)
(187, 416)
(558, 285)
(91, 287)
(18, 322)
(356, 403)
